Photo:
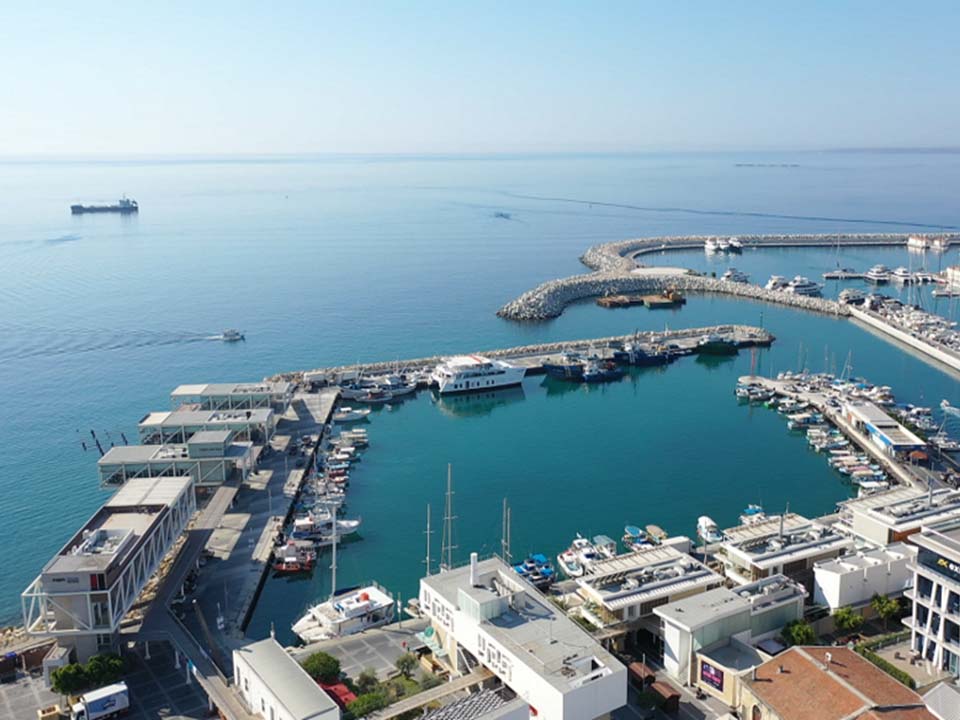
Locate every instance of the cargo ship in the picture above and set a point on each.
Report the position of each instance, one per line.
(123, 206)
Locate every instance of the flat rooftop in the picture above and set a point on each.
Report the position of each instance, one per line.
(535, 631)
(178, 418)
(866, 559)
(734, 656)
(698, 610)
(296, 690)
(637, 576)
(132, 454)
(905, 507)
(222, 389)
(765, 546)
(217, 437)
(117, 528)
(944, 537)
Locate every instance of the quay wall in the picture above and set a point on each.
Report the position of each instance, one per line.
(742, 331)
(950, 359)
(615, 271)
(549, 299)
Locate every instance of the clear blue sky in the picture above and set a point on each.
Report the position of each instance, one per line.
(287, 77)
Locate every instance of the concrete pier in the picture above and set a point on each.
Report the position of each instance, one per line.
(940, 353)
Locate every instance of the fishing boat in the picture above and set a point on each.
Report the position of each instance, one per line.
(634, 354)
(293, 559)
(536, 569)
(752, 514)
(656, 534)
(596, 371)
(375, 396)
(350, 415)
(634, 538)
(346, 614)
(317, 525)
(878, 275)
(734, 275)
(707, 530)
(605, 546)
(716, 345)
(568, 366)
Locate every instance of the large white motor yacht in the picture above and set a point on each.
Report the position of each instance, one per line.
(472, 373)
(346, 614)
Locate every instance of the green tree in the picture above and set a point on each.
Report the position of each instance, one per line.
(885, 607)
(429, 680)
(368, 703)
(799, 632)
(846, 620)
(104, 669)
(322, 667)
(367, 681)
(70, 679)
(406, 664)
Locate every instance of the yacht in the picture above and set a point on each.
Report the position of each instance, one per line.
(707, 530)
(636, 539)
(398, 385)
(710, 245)
(568, 562)
(734, 275)
(348, 415)
(605, 546)
(940, 244)
(901, 275)
(802, 286)
(231, 336)
(346, 614)
(851, 296)
(723, 245)
(466, 373)
(735, 244)
(917, 243)
(877, 275)
(752, 514)
(776, 282)
(844, 273)
(317, 526)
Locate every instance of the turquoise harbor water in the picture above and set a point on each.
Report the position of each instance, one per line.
(333, 260)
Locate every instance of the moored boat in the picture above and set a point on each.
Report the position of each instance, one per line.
(346, 614)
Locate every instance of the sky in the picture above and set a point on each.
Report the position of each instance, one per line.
(456, 77)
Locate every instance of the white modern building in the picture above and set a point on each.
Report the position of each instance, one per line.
(210, 457)
(852, 580)
(621, 593)
(935, 621)
(485, 614)
(275, 687)
(178, 426)
(886, 433)
(892, 516)
(83, 593)
(750, 614)
(787, 544)
(234, 396)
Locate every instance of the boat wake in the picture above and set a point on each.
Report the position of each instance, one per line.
(728, 213)
(21, 344)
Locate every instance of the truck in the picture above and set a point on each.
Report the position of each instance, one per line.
(102, 703)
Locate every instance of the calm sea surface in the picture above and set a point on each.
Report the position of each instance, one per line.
(336, 260)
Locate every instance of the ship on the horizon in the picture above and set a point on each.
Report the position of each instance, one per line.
(124, 206)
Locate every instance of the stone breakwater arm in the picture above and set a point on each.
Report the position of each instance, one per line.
(616, 272)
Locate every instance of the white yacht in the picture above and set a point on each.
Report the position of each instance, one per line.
(710, 245)
(776, 282)
(707, 530)
(901, 275)
(346, 614)
(917, 243)
(940, 244)
(803, 286)
(723, 245)
(735, 244)
(471, 373)
(348, 415)
(734, 275)
(878, 275)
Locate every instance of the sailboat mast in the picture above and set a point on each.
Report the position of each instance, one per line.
(333, 564)
(447, 546)
(428, 532)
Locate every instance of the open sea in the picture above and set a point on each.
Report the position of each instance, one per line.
(331, 260)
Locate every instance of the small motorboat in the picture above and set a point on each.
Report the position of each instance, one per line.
(348, 415)
(231, 336)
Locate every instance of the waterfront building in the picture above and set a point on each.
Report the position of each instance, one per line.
(275, 687)
(709, 638)
(894, 515)
(826, 683)
(234, 396)
(789, 544)
(852, 580)
(485, 615)
(83, 593)
(178, 426)
(884, 432)
(620, 594)
(935, 621)
(210, 457)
